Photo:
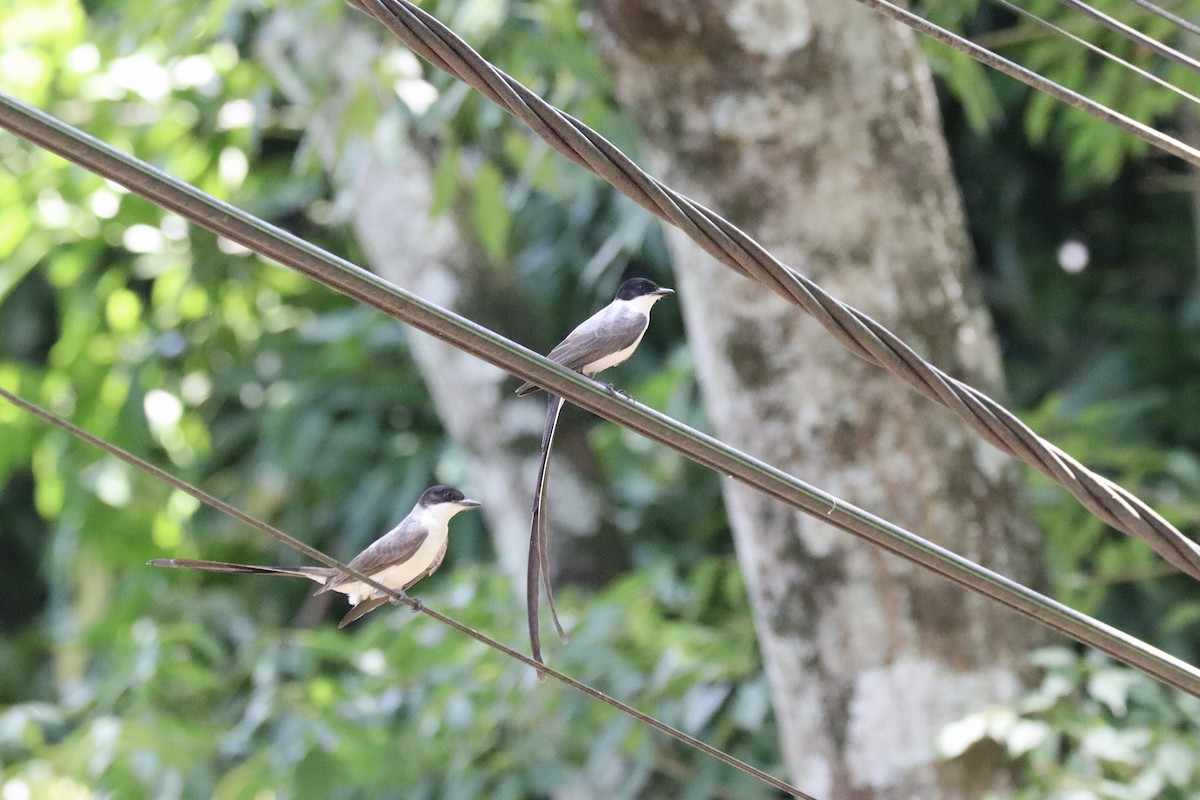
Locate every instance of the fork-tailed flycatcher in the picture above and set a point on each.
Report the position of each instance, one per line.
(412, 550)
(603, 340)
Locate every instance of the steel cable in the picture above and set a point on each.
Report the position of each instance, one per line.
(369, 289)
(1133, 34)
(1175, 19)
(853, 329)
(398, 596)
(1162, 141)
(1096, 49)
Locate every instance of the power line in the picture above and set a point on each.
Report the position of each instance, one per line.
(399, 596)
(369, 289)
(1097, 49)
(436, 43)
(1162, 141)
(855, 330)
(1133, 34)
(1157, 10)
(1009, 36)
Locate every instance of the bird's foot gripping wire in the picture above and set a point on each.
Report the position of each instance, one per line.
(615, 392)
(406, 599)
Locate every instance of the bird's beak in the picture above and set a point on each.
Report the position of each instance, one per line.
(466, 503)
(663, 291)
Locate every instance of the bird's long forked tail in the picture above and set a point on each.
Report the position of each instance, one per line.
(318, 574)
(538, 570)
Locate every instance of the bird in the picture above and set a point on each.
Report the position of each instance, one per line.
(605, 339)
(412, 550)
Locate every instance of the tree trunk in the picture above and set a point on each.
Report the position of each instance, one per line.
(391, 200)
(813, 125)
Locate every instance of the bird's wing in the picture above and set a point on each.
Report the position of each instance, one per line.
(394, 547)
(371, 603)
(598, 336)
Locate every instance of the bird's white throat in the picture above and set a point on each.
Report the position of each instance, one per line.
(642, 304)
(437, 516)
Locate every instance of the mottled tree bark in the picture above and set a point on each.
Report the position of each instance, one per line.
(390, 199)
(813, 125)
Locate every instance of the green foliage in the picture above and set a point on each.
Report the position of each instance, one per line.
(1102, 572)
(174, 343)
(204, 699)
(1092, 730)
(1093, 152)
(305, 410)
(1100, 357)
(1104, 362)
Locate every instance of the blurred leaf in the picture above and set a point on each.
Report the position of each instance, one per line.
(445, 180)
(1104, 730)
(492, 218)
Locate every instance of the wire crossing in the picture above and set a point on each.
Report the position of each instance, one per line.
(369, 289)
(855, 330)
(399, 597)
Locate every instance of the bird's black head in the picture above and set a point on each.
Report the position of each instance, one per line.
(436, 495)
(639, 287)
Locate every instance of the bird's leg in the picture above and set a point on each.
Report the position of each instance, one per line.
(615, 392)
(406, 599)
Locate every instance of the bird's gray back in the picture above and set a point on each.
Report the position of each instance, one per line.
(610, 331)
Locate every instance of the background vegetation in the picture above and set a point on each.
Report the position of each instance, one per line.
(305, 410)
